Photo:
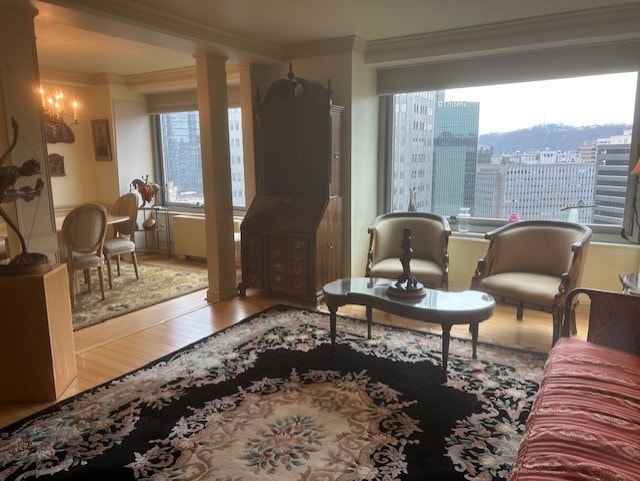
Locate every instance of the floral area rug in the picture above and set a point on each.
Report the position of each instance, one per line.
(268, 399)
(156, 284)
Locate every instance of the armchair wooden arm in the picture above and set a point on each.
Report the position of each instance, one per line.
(614, 318)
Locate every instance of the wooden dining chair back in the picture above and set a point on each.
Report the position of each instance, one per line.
(83, 232)
(123, 241)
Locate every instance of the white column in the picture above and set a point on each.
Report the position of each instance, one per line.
(19, 98)
(216, 172)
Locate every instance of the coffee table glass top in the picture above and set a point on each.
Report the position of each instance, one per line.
(441, 301)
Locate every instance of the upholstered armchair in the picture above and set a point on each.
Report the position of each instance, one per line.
(534, 264)
(429, 242)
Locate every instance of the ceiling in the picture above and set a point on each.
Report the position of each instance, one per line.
(89, 36)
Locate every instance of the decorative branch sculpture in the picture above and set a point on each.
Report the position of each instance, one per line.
(9, 174)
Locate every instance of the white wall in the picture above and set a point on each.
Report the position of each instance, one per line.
(89, 180)
(133, 142)
(362, 176)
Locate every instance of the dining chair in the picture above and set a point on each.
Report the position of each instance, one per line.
(122, 241)
(83, 232)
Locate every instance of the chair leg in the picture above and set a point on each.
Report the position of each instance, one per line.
(520, 311)
(134, 258)
(72, 287)
(101, 277)
(118, 264)
(87, 278)
(109, 274)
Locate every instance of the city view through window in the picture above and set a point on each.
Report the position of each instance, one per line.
(556, 149)
(182, 160)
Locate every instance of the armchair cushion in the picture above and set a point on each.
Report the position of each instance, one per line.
(540, 288)
(427, 272)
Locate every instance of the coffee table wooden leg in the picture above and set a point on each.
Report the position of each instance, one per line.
(446, 336)
(332, 325)
(369, 311)
(474, 338)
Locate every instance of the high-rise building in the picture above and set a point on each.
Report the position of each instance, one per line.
(612, 158)
(236, 157)
(455, 153)
(541, 190)
(412, 150)
(181, 134)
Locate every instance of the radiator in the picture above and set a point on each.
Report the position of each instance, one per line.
(189, 236)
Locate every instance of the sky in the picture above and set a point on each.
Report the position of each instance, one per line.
(576, 102)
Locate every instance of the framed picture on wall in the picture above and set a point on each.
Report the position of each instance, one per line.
(56, 165)
(101, 139)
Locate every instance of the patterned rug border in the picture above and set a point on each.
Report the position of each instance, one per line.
(140, 295)
(280, 306)
(471, 426)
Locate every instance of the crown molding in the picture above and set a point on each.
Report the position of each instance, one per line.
(178, 78)
(66, 78)
(615, 22)
(108, 79)
(171, 79)
(332, 46)
(204, 35)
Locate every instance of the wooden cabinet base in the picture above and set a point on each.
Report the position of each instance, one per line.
(37, 355)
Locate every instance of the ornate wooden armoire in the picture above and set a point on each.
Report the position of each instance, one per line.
(292, 231)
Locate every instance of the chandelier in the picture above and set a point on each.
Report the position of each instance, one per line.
(54, 108)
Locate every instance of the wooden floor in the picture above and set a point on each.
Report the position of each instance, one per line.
(121, 345)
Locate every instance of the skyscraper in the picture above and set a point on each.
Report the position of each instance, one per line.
(455, 154)
(412, 150)
(612, 156)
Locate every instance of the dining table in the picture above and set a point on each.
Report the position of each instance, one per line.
(111, 219)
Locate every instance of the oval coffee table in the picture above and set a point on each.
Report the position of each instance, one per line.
(440, 307)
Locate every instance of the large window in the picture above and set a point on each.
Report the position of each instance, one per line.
(554, 149)
(181, 166)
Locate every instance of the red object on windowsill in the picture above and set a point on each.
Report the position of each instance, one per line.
(513, 217)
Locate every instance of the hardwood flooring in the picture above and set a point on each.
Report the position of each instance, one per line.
(124, 344)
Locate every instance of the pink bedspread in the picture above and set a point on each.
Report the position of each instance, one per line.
(585, 422)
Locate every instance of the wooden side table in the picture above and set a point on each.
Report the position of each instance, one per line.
(37, 353)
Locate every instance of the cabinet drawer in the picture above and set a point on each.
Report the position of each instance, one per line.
(299, 245)
(298, 270)
(254, 279)
(253, 247)
(277, 280)
(298, 284)
(277, 265)
(299, 257)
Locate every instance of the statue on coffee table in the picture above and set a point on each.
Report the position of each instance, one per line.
(406, 285)
(25, 262)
